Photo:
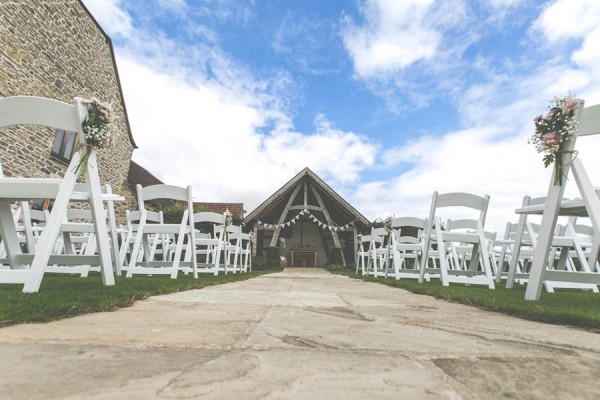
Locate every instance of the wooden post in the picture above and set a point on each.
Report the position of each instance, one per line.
(283, 215)
(336, 239)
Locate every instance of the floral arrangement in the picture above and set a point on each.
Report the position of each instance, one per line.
(228, 218)
(98, 130)
(387, 223)
(554, 129)
(228, 221)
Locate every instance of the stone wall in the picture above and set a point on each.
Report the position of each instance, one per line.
(55, 49)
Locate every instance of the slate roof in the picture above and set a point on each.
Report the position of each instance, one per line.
(340, 210)
(138, 174)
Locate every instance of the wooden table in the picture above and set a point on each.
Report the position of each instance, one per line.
(302, 255)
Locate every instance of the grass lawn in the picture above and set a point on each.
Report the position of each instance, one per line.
(564, 307)
(63, 296)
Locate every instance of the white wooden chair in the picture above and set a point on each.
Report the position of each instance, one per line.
(565, 247)
(588, 240)
(377, 264)
(246, 252)
(28, 268)
(29, 225)
(362, 253)
(459, 201)
(407, 246)
(209, 244)
(561, 248)
(150, 265)
(588, 124)
(238, 249)
(459, 255)
(130, 234)
(503, 251)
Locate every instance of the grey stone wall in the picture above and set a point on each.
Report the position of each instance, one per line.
(54, 48)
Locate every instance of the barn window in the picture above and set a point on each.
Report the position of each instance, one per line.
(64, 145)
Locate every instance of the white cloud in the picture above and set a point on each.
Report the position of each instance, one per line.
(565, 19)
(111, 17)
(395, 35)
(211, 135)
(201, 119)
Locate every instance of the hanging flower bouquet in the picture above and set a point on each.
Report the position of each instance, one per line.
(554, 129)
(228, 217)
(97, 130)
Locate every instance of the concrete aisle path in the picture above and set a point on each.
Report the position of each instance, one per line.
(302, 334)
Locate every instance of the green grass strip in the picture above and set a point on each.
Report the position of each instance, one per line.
(564, 307)
(62, 296)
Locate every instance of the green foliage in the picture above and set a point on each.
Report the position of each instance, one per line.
(335, 256)
(273, 253)
(63, 296)
(264, 263)
(173, 213)
(336, 267)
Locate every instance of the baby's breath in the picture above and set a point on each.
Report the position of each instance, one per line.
(553, 129)
(98, 130)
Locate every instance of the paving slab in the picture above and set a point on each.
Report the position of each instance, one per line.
(298, 334)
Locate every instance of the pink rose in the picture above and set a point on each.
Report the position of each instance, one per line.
(549, 138)
(569, 105)
(537, 119)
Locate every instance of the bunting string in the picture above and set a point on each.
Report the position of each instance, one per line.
(310, 216)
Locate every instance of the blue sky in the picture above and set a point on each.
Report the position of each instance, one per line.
(386, 100)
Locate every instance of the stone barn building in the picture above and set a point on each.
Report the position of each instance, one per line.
(309, 221)
(56, 49)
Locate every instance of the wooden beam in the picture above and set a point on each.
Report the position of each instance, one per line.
(305, 196)
(336, 239)
(314, 208)
(283, 215)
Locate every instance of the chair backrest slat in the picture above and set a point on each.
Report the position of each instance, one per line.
(590, 121)
(414, 222)
(208, 216)
(459, 199)
(161, 191)
(52, 113)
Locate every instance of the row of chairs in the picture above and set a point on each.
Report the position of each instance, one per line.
(146, 245)
(460, 250)
(68, 239)
(201, 242)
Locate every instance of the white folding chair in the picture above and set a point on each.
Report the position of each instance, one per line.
(378, 253)
(130, 234)
(150, 265)
(474, 275)
(564, 248)
(246, 252)
(362, 254)
(209, 243)
(407, 246)
(588, 120)
(28, 268)
(233, 248)
(588, 240)
(503, 251)
(460, 253)
(561, 247)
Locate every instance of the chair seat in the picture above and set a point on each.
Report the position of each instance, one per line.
(15, 189)
(460, 237)
(27, 188)
(163, 228)
(409, 247)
